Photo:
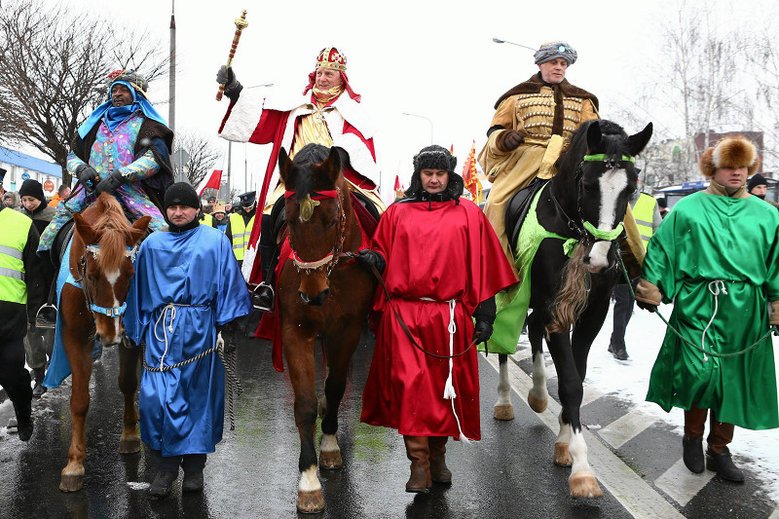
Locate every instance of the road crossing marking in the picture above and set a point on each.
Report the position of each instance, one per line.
(632, 492)
(681, 484)
(625, 428)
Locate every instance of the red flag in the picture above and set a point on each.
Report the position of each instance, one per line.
(214, 181)
(397, 183)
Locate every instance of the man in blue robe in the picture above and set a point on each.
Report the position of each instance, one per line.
(187, 287)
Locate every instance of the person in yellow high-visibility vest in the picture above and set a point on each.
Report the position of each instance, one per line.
(21, 293)
(240, 224)
(646, 213)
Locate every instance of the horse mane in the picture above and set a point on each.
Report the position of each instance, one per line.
(305, 181)
(114, 232)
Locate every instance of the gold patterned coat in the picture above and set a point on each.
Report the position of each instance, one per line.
(547, 116)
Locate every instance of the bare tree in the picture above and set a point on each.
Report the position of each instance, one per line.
(202, 155)
(53, 68)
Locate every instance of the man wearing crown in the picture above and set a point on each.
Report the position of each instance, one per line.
(123, 148)
(328, 113)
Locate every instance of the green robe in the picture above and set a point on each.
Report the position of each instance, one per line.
(706, 238)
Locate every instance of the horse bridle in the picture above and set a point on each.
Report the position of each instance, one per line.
(328, 262)
(584, 229)
(94, 249)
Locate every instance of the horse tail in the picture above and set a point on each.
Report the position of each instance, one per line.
(572, 297)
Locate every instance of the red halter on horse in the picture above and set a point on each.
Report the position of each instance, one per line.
(101, 256)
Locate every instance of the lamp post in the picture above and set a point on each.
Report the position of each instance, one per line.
(498, 40)
(429, 121)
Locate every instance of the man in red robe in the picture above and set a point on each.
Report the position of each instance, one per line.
(444, 264)
(322, 115)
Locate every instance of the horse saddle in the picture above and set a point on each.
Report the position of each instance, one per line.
(518, 207)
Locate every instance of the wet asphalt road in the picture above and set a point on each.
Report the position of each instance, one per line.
(254, 470)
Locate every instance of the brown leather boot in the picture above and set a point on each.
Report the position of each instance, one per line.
(439, 472)
(418, 451)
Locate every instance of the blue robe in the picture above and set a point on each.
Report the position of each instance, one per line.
(182, 410)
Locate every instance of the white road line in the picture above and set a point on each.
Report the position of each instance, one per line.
(681, 484)
(626, 427)
(635, 494)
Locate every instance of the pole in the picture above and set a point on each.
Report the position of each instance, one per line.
(498, 40)
(229, 163)
(429, 121)
(245, 171)
(172, 80)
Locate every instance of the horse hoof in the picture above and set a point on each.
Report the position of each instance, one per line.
(536, 404)
(562, 456)
(130, 446)
(310, 501)
(330, 460)
(503, 412)
(584, 485)
(71, 483)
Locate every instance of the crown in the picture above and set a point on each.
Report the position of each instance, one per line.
(330, 57)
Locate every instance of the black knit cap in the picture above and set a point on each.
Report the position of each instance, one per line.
(33, 188)
(756, 180)
(181, 193)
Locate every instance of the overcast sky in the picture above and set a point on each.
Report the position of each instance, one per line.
(431, 58)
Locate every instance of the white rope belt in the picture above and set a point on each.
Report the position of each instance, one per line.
(449, 392)
(716, 288)
(168, 313)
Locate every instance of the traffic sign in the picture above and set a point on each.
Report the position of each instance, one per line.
(25, 176)
(48, 186)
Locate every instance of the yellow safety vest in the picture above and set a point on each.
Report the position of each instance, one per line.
(241, 233)
(15, 228)
(207, 220)
(644, 213)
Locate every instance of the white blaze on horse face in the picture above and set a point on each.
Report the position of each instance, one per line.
(612, 183)
(309, 481)
(112, 278)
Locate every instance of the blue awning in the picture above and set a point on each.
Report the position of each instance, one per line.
(30, 163)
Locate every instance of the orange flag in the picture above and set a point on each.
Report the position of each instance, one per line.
(470, 178)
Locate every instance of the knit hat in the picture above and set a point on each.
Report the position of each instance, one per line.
(181, 193)
(730, 152)
(33, 188)
(553, 50)
(756, 180)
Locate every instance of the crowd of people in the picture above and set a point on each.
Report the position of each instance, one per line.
(714, 255)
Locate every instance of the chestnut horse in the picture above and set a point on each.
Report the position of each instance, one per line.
(322, 293)
(101, 256)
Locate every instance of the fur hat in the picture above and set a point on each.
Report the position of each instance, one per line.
(756, 180)
(435, 157)
(33, 188)
(730, 152)
(553, 50)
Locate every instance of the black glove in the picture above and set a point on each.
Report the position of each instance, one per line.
(482, 331)
(110, 184)
(370, 258)
(646, 306)
(88, 177)
(225, 76)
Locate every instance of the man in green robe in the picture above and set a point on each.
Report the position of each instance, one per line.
(716, 256)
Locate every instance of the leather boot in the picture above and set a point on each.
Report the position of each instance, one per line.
(39, 388)
(166, 475)
(692, 453)
(24, 423)
(418, 452)
(723, 465)
(439, 472)
(193, 465)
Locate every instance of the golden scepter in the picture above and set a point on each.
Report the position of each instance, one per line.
(240, 25)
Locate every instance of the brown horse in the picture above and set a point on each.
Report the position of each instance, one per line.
(102, 250)
(322, 294)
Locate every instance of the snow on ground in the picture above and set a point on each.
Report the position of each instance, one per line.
(754, 450)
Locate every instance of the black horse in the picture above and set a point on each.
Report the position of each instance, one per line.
(585, 204)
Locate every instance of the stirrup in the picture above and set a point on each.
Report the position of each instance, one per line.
(41, 321)
(257, 299)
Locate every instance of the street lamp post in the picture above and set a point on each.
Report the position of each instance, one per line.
(429, 121)
(498, 40)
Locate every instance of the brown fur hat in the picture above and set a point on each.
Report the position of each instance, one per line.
(730, 152)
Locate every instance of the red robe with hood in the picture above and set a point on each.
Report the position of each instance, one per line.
(441, 251)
